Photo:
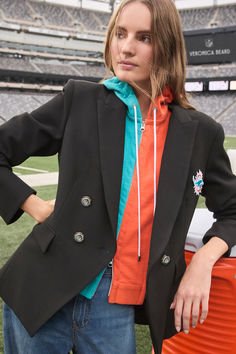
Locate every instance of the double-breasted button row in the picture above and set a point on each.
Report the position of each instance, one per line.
(86, 201)
(165, 260)
(79, 237)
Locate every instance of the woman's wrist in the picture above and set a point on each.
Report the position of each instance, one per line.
(37, 208)
(211, 252)
(202, 258)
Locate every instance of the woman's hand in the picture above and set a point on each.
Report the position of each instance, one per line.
(37, 208)
(192, 297)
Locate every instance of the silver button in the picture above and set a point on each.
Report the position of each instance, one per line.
(79, 237)
(86, 201)
(165, 260)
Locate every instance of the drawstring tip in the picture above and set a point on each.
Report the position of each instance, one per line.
(139, 258)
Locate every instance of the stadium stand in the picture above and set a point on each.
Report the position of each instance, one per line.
(51, 14)
(73, 69)
(227, 119)
(86, 18)
(13, 9)
(213, 104)
(196, 18)
(208, 17)
(32, 11)
(64, 16)
(54, 68)
(201, 71)
(10, 63)
(2, 120)
(226, 16)
(47, 15)
(91, 70)
(14, 103)
(51, 66)
(103, 18)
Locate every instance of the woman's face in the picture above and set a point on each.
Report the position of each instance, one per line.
(131, 48)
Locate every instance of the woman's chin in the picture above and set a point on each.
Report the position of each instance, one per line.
(124, 76)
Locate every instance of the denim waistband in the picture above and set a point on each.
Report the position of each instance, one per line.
(108, 270)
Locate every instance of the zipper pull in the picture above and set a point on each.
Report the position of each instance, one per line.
(142, 126)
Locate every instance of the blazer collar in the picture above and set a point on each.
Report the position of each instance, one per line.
(111, 127)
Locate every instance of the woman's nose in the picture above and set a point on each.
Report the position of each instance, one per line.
(128, 46)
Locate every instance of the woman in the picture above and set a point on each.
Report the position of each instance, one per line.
(134, 157)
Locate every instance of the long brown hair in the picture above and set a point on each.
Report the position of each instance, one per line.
(169, 55)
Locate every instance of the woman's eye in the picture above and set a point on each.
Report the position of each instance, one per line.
(119, 34)
(146, 39)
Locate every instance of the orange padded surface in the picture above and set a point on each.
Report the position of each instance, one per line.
(218, 333)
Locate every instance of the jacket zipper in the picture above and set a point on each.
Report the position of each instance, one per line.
(142, 126)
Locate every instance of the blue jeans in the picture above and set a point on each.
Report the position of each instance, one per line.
(83, 326)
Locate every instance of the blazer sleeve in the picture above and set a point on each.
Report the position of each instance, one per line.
(220, 192)
(38, 133)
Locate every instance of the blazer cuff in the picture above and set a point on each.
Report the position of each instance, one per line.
(225, 230)
(13, 196)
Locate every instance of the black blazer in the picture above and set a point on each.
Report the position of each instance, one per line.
(86, 124)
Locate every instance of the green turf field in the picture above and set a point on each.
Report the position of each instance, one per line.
(230, 143)
(48, 164)
(12, 235)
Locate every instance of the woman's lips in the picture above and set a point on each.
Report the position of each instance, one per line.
(127, 65)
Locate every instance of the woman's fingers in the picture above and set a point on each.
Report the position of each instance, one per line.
(195, 312)
(172, 306)
(204, 312)
(178, 313)
(189, 309)
(183, 312)
(186, 314)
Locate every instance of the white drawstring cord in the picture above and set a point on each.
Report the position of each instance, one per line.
(138, 183)
(155, 158)
(138, 176)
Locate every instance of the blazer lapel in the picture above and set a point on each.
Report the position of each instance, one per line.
(111, 127)
(173, 176)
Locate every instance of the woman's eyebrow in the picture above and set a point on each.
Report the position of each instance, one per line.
(144, 32)
(120, 28)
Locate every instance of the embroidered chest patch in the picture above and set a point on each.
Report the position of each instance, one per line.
(198, 182)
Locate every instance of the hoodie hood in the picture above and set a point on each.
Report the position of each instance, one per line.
(126, 94)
